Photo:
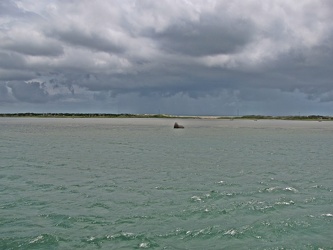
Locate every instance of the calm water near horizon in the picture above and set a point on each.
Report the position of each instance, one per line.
(132, 183)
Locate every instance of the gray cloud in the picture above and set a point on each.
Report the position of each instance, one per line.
(4, 94)
(91, 40)
(209, 35)
(10, 60)
(14, 75)
(65, 53)
(28, 46)
(32, 92)
(10, 8)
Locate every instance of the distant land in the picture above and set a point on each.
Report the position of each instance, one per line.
(102, 115)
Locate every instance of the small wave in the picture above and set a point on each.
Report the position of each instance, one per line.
(121, 238)
(285, 203)
(122, 235)
(38, 238)
(271, 189)
(231, 232)
(46, 240)
(327, 215)
(291, 189)
(257, 205)
(218, 231)
(99, 205)
(144, 245)
(204, 232)
(195, 198)
(277, 189)
(211, 196)
(8, 205)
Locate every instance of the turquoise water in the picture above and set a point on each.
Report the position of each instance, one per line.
(140, 184)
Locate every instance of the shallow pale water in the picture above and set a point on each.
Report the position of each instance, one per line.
(140, 184)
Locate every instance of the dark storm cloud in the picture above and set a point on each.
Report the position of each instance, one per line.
(13, 75)
(208, 36)
(10, 60)
(32, 92)
(217, 53)
(4, 94)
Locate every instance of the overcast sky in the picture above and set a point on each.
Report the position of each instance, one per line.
(194, 57)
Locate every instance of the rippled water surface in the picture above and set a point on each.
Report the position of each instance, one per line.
(140, 184)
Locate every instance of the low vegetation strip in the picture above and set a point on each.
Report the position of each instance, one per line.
(309, 117)
(83, 115)
(103, 115)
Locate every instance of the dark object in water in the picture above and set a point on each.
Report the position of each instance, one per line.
(177, 125)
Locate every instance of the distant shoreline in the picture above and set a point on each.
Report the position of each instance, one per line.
(103, 115)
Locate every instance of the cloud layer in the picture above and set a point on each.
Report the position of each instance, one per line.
(186, 56)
